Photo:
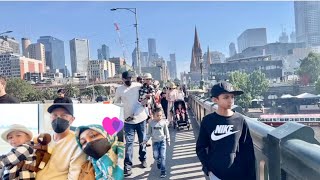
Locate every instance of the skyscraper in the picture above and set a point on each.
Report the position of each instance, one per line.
(307, 22)
(54, 52)
(79, 55)
(104, 52)
(251, 38)
(152, 50)
(232, 49)
(37, 51)
(25, 45)
(173, 66)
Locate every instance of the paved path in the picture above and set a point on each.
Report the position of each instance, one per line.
(182, 161)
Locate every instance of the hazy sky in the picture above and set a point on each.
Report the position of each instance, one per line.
(170, 23)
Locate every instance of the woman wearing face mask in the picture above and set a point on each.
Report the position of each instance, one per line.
(105, 152)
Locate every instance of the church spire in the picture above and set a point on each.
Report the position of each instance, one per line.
(196, 39)
(196, 53)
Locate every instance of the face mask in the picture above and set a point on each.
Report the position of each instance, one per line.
(97, 148)
(128, 83)
(59, 125)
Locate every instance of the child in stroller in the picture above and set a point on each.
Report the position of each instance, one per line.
(180, 114)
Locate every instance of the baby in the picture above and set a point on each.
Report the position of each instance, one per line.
(21, 155)
(180, 112)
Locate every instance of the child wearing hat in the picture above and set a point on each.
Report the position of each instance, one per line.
(224, 144)
(22, 154)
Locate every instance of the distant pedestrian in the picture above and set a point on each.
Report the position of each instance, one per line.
(4, 97)
(164, 102)
(61, 97)
(224, 145)
(159, 133)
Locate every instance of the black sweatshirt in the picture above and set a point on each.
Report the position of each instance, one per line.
(230, 153)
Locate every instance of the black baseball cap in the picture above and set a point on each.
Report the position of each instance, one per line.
(127, 74)
(224, 87)
(60, 91)
(68, 107)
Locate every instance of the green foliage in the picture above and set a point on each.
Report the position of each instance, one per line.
(309, 70)
(71, 91)
(20, 89)
(258, 83)
(253, 85)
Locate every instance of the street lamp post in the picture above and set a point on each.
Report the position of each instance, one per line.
(6, 32)
(201, 69)
(134, 11)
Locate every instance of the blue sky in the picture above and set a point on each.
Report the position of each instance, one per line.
(170, 23)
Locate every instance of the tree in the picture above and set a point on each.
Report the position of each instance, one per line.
(48, 94)
(20, 89)
(309, 70)
(253, 85)
(71, 91)
(317, 85)
(240, 80)
(258, 83)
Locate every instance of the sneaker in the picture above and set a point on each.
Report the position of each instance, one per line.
(127, 172)
(144, 164)
(159, 165)
(163, 174)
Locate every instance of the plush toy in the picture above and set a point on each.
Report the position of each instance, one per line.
(42, 152)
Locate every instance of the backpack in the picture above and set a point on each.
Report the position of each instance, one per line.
(87, 171)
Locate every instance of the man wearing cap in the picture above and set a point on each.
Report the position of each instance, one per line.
(66, 157)
(224, 144)
(135, 120)
(61, 97)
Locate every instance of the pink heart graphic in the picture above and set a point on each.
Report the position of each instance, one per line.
(113, 125)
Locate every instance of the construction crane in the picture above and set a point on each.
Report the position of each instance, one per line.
(124, 49)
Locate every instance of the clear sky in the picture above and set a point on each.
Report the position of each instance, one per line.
(170, 23)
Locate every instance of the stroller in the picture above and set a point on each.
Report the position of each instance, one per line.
(180, 117)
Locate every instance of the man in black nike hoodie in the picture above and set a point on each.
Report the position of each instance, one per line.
(224, 145)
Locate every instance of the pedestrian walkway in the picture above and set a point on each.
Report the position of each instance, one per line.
(182, 161)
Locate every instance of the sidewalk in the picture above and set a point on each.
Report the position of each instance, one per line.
(182, 161)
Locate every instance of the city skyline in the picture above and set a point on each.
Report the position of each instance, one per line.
(171, 24)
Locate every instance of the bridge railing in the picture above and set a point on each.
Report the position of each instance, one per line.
(288, 152)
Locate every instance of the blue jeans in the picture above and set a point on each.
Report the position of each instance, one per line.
(129, 135)
(159, 154)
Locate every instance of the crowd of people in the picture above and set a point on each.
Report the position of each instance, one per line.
(224, 145)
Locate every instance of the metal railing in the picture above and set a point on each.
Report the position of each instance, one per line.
(288, 152)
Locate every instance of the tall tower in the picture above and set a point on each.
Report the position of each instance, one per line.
(307, 21)
(196, 54)
(25, 44)
(79, 55)
(232, 49)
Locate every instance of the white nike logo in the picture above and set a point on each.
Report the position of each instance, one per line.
(224, 130)
(218, 137)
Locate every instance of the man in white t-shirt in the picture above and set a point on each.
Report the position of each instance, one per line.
(135, 119)
(66, 157)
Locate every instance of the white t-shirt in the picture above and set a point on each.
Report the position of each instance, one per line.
(129, 96)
